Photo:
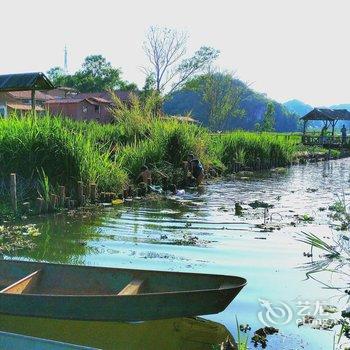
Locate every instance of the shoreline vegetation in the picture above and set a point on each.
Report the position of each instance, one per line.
(47, 152)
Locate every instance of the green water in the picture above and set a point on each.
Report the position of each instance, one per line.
(200, 233)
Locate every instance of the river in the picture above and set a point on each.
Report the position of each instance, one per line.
(200, 232)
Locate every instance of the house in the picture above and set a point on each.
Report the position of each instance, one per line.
(84, 106)
(33, 91)
(88, 109)
(20, 101)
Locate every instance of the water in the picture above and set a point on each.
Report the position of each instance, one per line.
(200, 233)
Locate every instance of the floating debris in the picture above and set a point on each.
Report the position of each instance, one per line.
(259, 204)
(311, 190)
(260, 336)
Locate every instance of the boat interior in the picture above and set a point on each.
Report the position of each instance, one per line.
(52, 279)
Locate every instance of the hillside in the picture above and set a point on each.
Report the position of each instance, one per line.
(253, 105)
(298, 107)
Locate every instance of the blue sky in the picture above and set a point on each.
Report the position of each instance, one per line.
(284, 48)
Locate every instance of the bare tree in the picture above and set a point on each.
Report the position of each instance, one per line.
(165, 49)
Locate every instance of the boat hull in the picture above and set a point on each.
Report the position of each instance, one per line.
(96, 304)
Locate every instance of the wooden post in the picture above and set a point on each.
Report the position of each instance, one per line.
(26, 207)
(13, 191)
(80, 193)
(304, 131)
(53, 201)
(33, 100)
(93, 192)
(39, 205)
(62, 196)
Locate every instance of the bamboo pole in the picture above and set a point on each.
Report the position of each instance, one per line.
(93, 192)
(62, 196)
(26, 207)
(39, 205)
(13, 191)
(80, 193)
(53, 201)
(33, 100)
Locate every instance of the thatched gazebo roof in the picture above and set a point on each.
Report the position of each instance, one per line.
(327, 114)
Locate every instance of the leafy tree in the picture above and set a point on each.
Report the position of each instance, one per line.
(165, 49)
(268, 122)
(96, 74)
(221, 94)
(56, 75)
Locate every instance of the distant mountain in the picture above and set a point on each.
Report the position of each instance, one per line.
(341, 106)
(253, 104)
(298, 107)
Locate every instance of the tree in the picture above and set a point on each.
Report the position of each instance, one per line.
(96, 74)
(268, 121)
(222, 94)
(165, 49)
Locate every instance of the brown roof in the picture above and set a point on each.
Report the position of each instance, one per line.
(27, 95)
(66, 100)
(61, 92)
(123, 95)
(98, 99)
(23, 107)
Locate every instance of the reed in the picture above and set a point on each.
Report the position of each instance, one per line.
(47, 152)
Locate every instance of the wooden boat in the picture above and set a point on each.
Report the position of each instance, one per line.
(10, 341)
(110, 294)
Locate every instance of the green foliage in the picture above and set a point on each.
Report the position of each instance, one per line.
(96, 74)
(268, 122)
(220, 94)
(51, 146)
(254, 151)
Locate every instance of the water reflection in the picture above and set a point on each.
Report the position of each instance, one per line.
(200, 233)
(173, 334)
(64, 238)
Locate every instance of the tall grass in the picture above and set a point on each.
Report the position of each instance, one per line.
(65, 155)
(67, 151)
(254, 150)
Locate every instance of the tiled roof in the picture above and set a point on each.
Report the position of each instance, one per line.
(123, 95)
(23, 107)
(66, 100)
(27, 95)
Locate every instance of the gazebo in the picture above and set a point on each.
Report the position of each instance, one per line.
(25, 82)
(330, 118)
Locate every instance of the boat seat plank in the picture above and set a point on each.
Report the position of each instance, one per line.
(132, 288)
(22, 285)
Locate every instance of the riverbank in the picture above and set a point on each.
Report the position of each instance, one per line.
(47, 153)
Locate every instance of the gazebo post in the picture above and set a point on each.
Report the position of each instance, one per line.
(333, 125)
(304, 130)
(33, 100)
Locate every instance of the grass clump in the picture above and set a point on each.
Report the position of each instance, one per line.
(254, 150)
(33, 145)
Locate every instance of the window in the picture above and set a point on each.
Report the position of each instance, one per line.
(97, 108)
